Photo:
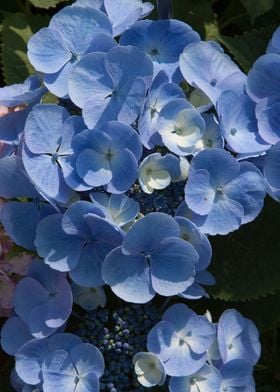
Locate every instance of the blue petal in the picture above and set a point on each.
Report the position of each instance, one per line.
(43, 128)
(207, 379)
(239, 126)
(88, 271)
(59, 372)
(14, 180)
(87, 359)
(20, 221)
(28, 294)
(163, 40)
(172, 266)
(123, 13)
(93, 168)
(73, 221)
(122, 179)
(178, 315)
(47, 51)
(184, 362)
(199, 193)
(263, 79)
(121, 208)
(128, 276)
(14, 334)
(124, 136)
(268, 116)
(204, 65)
(60, 250)
(89, 79)
(162, 340)
(57, 83)
(272, 166)
(249, 190)
(46, 174)
(78, 25)
(199, 241)
(225, 217)
(29, 360)
(220, 164)
(144, 234)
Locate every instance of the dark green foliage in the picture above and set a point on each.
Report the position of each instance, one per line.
(246, 263)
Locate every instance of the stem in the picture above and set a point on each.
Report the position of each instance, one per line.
(164, 9)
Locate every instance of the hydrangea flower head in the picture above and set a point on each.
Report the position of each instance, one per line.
(239, 125)
(49, 130)
(30, 359)
(72, 32)
(163, 40)
(150, 261)
(76, 370)
(78, 241)
(223, 193)
(111, 86)
(206, 66)
(103, 156)
(238, 338)
(181, 340)
(43, 299)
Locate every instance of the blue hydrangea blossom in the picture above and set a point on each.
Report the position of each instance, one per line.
(111, 86)
(49, 130)
(238, 338)
(43, 299)
(239, 124)
(163, 40)
(72, 32)
(181, 340)
(206, 66)
(101, 157)
(222, 193)
(150, 261)
(78, 241)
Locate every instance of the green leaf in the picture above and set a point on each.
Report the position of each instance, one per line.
(46, 3)
(199, 15)
(257, 7)
(246, 263)
(246, 48)
(17, 29)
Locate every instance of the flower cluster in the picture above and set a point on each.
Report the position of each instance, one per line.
(120, 184)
